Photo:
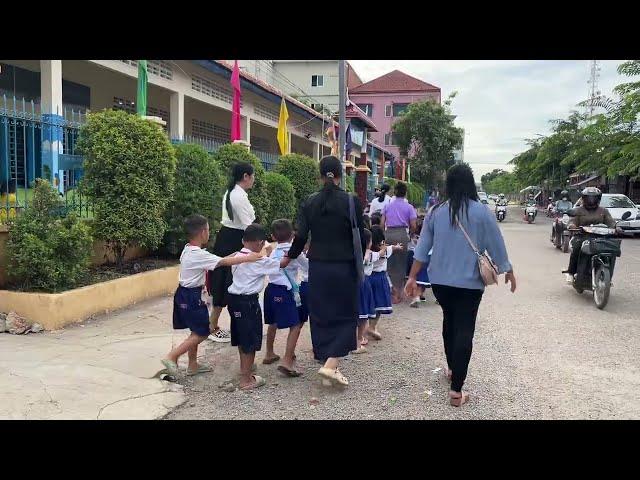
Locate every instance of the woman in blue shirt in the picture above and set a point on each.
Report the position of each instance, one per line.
(453, 268)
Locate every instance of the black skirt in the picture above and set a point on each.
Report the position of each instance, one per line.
(228, 240)
(333, 308)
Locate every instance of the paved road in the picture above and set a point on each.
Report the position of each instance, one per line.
(543, 353)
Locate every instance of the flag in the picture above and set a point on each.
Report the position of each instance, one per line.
(283, 134)
(141, 103)
(348, 144)
(235, 111)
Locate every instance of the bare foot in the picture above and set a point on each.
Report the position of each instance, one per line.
(268, 360)
(364, 341)
(457, 399)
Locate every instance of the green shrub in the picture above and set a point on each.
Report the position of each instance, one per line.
(230, 154)
(350, 183)
(46, 249)
(415, 191)
(129, 170)
(199, 186)
(282, 199)
(302, 172)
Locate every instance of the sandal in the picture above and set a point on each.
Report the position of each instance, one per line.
(360, 349)
(289, 372)
(171, 366)
(375, 334)
(459, 401)
(269, 361)
(333, 375)
(365, 341)
(259, 382)
(200, 369)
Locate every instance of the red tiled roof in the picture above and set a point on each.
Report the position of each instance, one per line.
(353, 111)
(395, 81)
(353, 79)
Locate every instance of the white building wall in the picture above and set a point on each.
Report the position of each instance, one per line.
(299, 72)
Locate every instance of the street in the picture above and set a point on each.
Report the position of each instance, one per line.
(544, 352)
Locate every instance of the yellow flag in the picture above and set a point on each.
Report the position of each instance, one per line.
(283, 134)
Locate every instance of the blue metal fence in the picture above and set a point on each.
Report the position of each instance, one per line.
(23, 129)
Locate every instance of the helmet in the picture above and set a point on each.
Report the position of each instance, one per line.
(550, 198)
(501, 195)
(564, 194)
(591, 197)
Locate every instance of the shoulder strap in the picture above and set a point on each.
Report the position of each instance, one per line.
(471, 244)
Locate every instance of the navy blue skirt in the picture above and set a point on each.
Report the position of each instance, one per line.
(423, 277)
(246, 322)
(189, 311)
(303, 310)
(280, 307)
(333, 308)
(367, 305)
(381, 292)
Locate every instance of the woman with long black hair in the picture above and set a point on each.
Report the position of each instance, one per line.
(453, 268)
(237, 215)
(333, 278)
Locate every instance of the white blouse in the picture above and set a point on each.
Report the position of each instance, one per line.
(243, 212)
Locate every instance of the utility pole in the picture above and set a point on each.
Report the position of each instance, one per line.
(343, 119)
(594, 93)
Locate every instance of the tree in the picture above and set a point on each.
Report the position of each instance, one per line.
(129, 168)
(302, 171)
(282, 199)
(199, 186)
(488, 177)
(425, 133)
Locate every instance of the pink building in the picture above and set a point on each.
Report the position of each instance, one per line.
(385, 98)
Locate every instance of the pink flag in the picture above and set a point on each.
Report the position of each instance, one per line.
(235, 112)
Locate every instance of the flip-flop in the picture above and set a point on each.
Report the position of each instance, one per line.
(269, 361)
(259, 382)
(200, 369)
(365, 341)
(459, 401)
(359, 350)
(375, 335)
(334, 376)
(172, 367)
(288, 371)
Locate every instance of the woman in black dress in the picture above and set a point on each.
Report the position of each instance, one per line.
(333, 279)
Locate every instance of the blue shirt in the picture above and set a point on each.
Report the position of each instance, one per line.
(453, 262)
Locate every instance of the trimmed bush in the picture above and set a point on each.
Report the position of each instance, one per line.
(129, 170)
(415, 191)
(199, 186)
(282, 199)
(230, 154)
(302, 172)
(46, 249)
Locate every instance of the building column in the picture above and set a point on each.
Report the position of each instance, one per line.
(52, 121)
(245, 127)
(176, 116)
(362, 171)
(317, 149)
(381, 169)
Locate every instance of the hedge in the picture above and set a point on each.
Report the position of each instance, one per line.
(302, 171)
(415, 191)
(282, 199)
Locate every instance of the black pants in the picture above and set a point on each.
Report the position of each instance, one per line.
(460, 309)
(576, 243)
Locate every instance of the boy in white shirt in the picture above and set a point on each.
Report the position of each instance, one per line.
(243, 304)
(282, 301)
(189, 310)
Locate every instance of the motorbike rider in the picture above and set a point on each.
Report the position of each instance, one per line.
(502, 201)
(530, 200)
(564, 203)
(589, 213)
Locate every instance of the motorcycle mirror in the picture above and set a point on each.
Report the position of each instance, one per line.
(626, 215)
(571, 212)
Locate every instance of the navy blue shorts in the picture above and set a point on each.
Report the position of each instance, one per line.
(303, 310)
(189, 311)
(246, 322)
(280, 307)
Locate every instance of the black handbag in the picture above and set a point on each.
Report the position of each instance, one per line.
(357, 243)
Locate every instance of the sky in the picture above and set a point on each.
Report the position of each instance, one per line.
(500, 103)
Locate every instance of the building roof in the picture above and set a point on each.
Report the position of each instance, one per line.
(395, 81)
(377, 146)
(354, 112)
(353, 79)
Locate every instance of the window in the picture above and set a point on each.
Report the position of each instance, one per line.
(399, 108)
(317, 107)
(387, 110)
(366, 108)
(388, 139)
(317, 80)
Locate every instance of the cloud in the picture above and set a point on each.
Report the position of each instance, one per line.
(500, 103)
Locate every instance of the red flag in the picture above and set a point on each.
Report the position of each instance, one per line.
(235, 112)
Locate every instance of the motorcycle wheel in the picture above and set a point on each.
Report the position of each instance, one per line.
(602, 287)
(565, 244)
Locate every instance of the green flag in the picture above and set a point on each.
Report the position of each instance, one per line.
(142, 87)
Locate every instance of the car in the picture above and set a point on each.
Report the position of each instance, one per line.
(483, 197)
(618, 204)
(493, 197)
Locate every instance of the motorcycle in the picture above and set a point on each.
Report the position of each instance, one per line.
(598, 252)
(550, 210)
(559, 234)
(530, 213)
(501, 212)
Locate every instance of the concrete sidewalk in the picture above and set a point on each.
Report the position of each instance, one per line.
(103, 368)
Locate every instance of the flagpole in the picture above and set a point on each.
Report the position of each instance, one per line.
(343, 119)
